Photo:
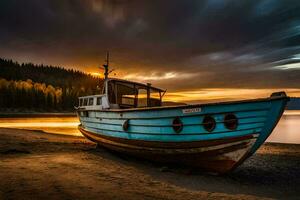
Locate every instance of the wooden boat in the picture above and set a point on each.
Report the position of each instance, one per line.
(129, 117)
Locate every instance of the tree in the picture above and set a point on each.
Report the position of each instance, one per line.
(49, 88)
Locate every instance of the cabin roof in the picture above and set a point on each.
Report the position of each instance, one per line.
(136, 83)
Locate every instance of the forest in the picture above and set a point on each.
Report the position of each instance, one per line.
(42, 88)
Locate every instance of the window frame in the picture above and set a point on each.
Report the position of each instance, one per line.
(85, 101)
(90, 101)
(99, 101)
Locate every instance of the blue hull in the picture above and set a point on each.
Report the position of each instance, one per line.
(255, 118)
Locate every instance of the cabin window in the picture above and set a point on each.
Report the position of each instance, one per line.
(128, 95)
(142, 98)
(128, 100)
(125, 95)
(85, 102)
(99, 100)
(91, 101)
(154, 98)
(80, 102)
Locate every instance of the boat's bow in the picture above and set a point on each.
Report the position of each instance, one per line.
(278, 101)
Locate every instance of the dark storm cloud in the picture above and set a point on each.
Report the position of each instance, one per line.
(208, 43)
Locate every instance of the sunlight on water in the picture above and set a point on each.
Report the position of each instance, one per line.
(287, 130)
(292, 112)
(58, 125)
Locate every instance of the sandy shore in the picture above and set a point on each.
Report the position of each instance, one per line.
(37, 165)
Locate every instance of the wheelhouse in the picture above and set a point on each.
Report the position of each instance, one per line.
(127, 94)
(121, 94)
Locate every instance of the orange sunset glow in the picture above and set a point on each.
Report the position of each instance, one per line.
(96, 74)
(221, 94)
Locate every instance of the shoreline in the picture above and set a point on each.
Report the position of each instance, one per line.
(36, 165)
(36, 114)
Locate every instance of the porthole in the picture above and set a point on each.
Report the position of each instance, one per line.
(126, 125)
(177, 125)
(209, 123)
(230, 121)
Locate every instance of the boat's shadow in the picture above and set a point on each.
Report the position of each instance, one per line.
(267, 175)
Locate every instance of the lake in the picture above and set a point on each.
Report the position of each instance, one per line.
(287, 130)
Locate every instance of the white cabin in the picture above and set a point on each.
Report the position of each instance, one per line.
(121, 94)
(93, 102)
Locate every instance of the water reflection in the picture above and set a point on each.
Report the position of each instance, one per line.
(58, 125)
(287, 130)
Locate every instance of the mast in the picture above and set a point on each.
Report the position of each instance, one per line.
(106, 72)
(106, 66)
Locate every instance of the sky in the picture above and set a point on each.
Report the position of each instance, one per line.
(193, 47)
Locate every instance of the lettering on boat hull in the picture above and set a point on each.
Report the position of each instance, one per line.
(191, 110)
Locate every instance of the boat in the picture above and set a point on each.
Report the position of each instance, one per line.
(130, 117)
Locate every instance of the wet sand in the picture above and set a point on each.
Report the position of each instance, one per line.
(37, 165)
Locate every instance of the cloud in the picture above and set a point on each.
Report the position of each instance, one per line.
(154, 76)
(175, 44)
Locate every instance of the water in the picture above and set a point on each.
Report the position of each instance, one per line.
(287, 130)
(58, 125)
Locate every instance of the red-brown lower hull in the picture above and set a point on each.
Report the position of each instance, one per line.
(218, 156)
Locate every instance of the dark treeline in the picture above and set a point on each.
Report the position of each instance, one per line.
(29, 87)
